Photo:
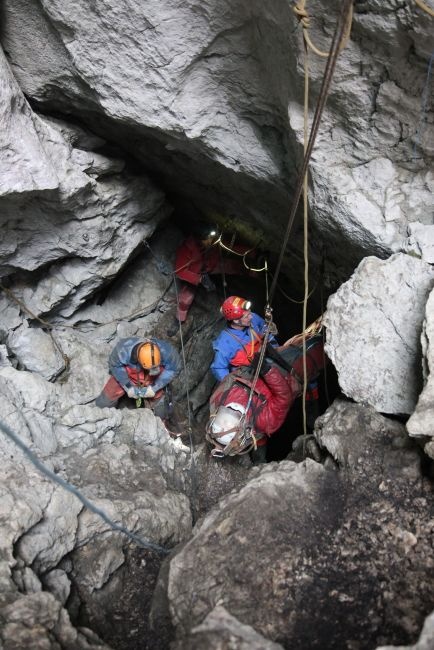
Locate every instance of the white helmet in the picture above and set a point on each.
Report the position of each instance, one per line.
(227, 418)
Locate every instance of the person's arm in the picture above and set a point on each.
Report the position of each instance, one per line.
(121, 375)
(118, 361)
(220, 364)
(171, 362)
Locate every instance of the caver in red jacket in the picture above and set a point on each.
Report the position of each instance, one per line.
(275, 391)
(193, 260)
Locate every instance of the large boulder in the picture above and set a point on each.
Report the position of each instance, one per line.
(74, 214)
(425, 641)
(123, 462)
(174, 85)
(220, 628)
(310, 557)
(421, 422)
(374, 322)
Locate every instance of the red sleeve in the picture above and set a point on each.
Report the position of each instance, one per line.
(189, 261)
(282, 389)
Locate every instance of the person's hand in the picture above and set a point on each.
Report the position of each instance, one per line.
(148, 392)
(133, 392)
(207, 283)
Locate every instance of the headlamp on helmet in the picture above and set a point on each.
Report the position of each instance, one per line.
(235, 307)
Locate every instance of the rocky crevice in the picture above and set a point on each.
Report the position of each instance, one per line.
(121, 126)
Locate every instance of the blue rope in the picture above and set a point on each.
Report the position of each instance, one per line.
(71, 488)
(424, 106)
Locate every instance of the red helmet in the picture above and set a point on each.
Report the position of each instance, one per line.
(235, 307)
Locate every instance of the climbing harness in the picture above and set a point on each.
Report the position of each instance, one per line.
(245, 437)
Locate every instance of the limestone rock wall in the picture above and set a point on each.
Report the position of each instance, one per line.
(374, 324)
(211, 96)
(108, 108)
(293, 544)
(421, 422)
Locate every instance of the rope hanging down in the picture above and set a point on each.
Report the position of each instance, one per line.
(338, 41)
(76, 492)
(425, 8)
(189, 413)
(328, 75)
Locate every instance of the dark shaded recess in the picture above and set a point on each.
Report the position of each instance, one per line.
(122, 619)
(288, 317)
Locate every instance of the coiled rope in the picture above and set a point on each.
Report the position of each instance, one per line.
(304, 18)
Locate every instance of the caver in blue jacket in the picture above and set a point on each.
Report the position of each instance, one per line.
(121, 357)
(230, 342)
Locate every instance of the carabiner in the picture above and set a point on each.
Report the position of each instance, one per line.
(217, 453)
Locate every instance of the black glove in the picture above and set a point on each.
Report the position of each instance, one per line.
(265, 367)
(207, 283)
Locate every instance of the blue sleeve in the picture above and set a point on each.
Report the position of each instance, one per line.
(171, 362)
(119, 358)
(220, 364)
(121, 375)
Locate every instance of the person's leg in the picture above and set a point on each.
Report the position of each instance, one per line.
(110, 394)
(186, 296)
(312, 404)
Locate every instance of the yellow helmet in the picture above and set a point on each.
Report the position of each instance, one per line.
(149, 357)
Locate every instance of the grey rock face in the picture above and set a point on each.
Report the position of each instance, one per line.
(220, 628)
(116, 459)
(373, 326)
(421, 242)
(39, 621)
(82, 227)
(421, 422)
(311, 547)
(175, 86)
(36, 351)
(24, 165)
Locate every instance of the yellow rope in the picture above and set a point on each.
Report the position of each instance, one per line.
(219, 241)
(425, 8)
(301, 13)
(304, 18)
(306, 234)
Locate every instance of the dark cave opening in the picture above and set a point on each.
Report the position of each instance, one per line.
(288, 318)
